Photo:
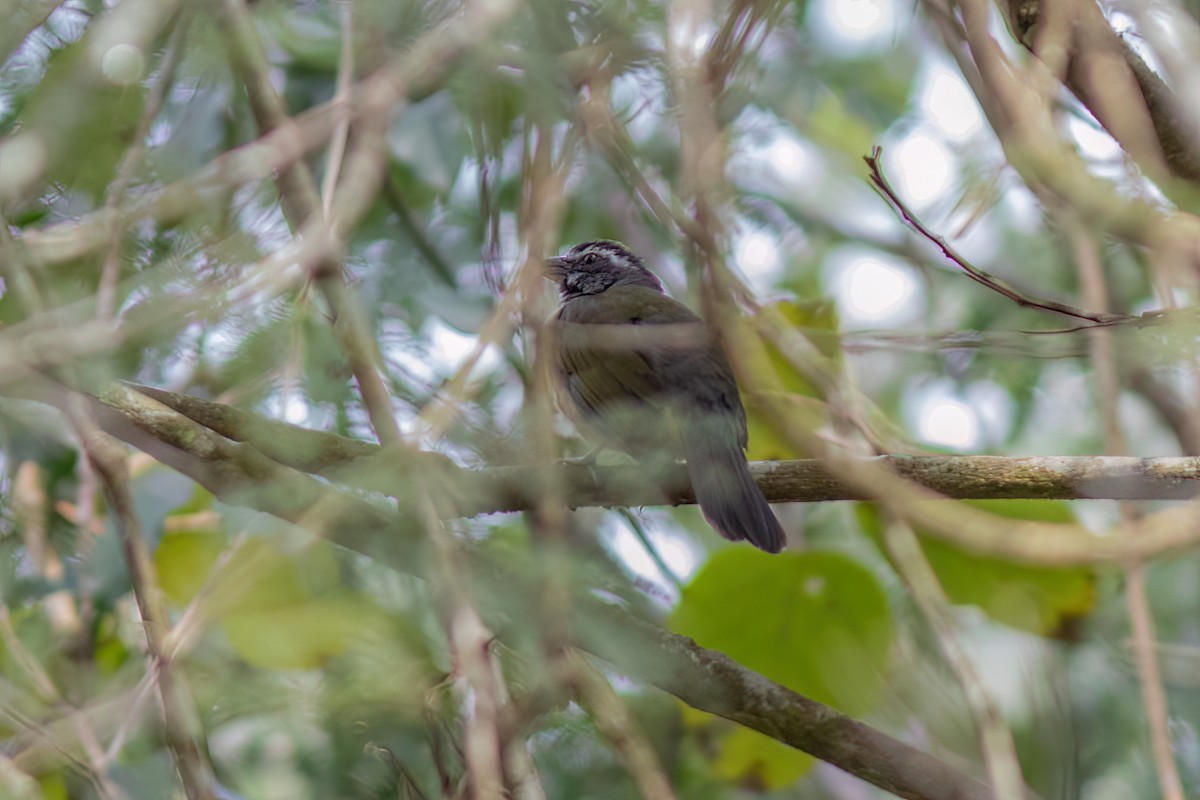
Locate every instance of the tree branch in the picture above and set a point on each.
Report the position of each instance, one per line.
(1129, 99)
(516, 488)
(1001, 287)
(702, 678)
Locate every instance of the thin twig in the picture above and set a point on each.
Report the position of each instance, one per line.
(995, 737)
(436, 261)
(639, 531)
(182, 727)
(881, 183)
(341, 100)
(131, 160)
(618, 725)
(1108, 388)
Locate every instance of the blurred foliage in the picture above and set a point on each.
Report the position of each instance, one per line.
(817, 623)
(1048, 602)
(318, 673)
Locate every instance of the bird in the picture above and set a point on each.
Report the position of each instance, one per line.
(637, 371)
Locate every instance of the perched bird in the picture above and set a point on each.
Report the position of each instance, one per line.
(641, 373)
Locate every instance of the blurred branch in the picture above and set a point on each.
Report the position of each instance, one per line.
(341, 99)
(1124, 94)
(541, 215)
(470, 646)
(703, 678)
(1108, 392)
(180, 721)
(732, 43)
(618, 725)
(515, 488)
(412, 74)
(1018, 100)
(881, 183)
(131, 160)
(1179, 415)
(995, 737)
(22, 18)
(301, 206)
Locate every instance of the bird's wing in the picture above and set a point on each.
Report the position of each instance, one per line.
(600, 370)
(680, 369)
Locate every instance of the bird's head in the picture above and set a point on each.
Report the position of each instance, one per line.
(593, 267)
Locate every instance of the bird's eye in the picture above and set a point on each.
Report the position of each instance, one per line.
(589, 259)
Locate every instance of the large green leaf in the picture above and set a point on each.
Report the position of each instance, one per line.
(818, 623)
(1044, 601)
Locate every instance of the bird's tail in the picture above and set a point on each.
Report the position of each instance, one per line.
(727, 494)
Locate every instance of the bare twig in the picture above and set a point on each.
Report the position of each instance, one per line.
(995, 738)
(881, 183)
(130, 161)
(341, 99)
(1104, 361)
(618, 725)
(181, 725)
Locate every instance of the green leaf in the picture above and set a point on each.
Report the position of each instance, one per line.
(834, 125)
(751, 757)
(818, 321)
(429, 141)
(157, 492)
(302, 635)
(82, 119)
(184, 559)
(1043, 601)
(818, 623)
(309, 41)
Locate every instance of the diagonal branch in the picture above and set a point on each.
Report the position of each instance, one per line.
(514, 488)
(702, 678)
(181, 723)
(881, 183)
(1126, 96)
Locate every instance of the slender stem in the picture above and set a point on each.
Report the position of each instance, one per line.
(1108, 391)
(619, 726)
(181, 724)
(995, 738)
(881, 183)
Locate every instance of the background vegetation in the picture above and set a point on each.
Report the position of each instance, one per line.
(337, 560)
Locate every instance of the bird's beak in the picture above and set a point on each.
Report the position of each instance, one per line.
(556, 269)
